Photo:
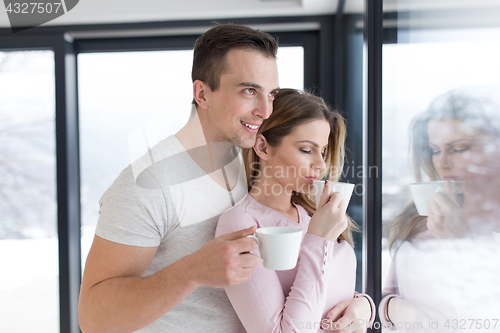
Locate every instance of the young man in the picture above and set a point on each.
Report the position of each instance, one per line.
(154, 265)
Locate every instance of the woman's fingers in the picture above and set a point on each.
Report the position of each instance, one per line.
(335, 200)
(445, 204)
(337, 311)
(342, 205)
(434, 207)
(451, 192)
(329, 220)
(325, 195)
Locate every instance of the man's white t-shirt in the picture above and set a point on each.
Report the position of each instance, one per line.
(165, 199)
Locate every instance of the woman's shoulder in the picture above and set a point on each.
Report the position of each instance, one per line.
(344, 250)
(304, 217)
(240, 216)
(344, 244)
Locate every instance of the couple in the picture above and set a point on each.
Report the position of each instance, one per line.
(154, 265)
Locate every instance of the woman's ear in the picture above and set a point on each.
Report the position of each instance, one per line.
(261, 147)
(200, 93)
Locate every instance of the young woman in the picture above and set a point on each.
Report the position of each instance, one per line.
(442, 263)
(303, 140)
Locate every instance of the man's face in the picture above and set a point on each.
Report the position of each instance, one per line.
(244, 98)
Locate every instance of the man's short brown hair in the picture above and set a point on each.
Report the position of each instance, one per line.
(211, 48)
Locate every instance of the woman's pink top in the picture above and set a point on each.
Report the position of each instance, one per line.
(295, 300)
(453, 280)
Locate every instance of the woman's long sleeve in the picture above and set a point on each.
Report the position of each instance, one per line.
(260, 302)
(390, 290)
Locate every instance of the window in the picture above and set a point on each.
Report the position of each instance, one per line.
(456, 69)
(29, 285)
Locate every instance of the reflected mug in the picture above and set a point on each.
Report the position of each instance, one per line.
(422, 193)
(279, 246)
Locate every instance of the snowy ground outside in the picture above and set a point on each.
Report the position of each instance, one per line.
(29, 285)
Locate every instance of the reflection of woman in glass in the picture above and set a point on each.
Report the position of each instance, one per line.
(300, 142)
(454, 140)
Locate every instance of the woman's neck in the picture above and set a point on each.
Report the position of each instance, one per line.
(268, 192)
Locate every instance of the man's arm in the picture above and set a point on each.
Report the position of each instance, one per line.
(115, 298)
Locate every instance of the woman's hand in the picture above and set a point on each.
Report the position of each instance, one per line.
(410, 317)
(329, 220)
(348, 316)
(446, 217)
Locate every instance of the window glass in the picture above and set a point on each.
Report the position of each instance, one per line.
(29, 285)
(441, 109)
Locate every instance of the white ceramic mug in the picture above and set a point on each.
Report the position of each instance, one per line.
(345, 189)
(279, 246)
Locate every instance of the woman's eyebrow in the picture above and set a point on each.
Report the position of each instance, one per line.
(453, 142)
(311, 142)
(308, 141)
(458, 140)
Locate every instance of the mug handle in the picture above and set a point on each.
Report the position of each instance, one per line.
(258, 243)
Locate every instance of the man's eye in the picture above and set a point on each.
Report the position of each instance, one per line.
(250, 91)
(305, 151)
(273, 94)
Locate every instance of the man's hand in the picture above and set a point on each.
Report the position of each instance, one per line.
(226, 260)
(115, 297)
(348, 316)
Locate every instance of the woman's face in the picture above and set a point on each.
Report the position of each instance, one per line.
(460, 151)
(298, 161)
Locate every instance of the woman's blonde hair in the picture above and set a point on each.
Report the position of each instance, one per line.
(465, 104)
(292, 108)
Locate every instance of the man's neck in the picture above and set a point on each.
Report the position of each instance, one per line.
(210, 156)
(191, 135)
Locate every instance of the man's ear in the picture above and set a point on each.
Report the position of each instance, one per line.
(261, 147)
(200, 93)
